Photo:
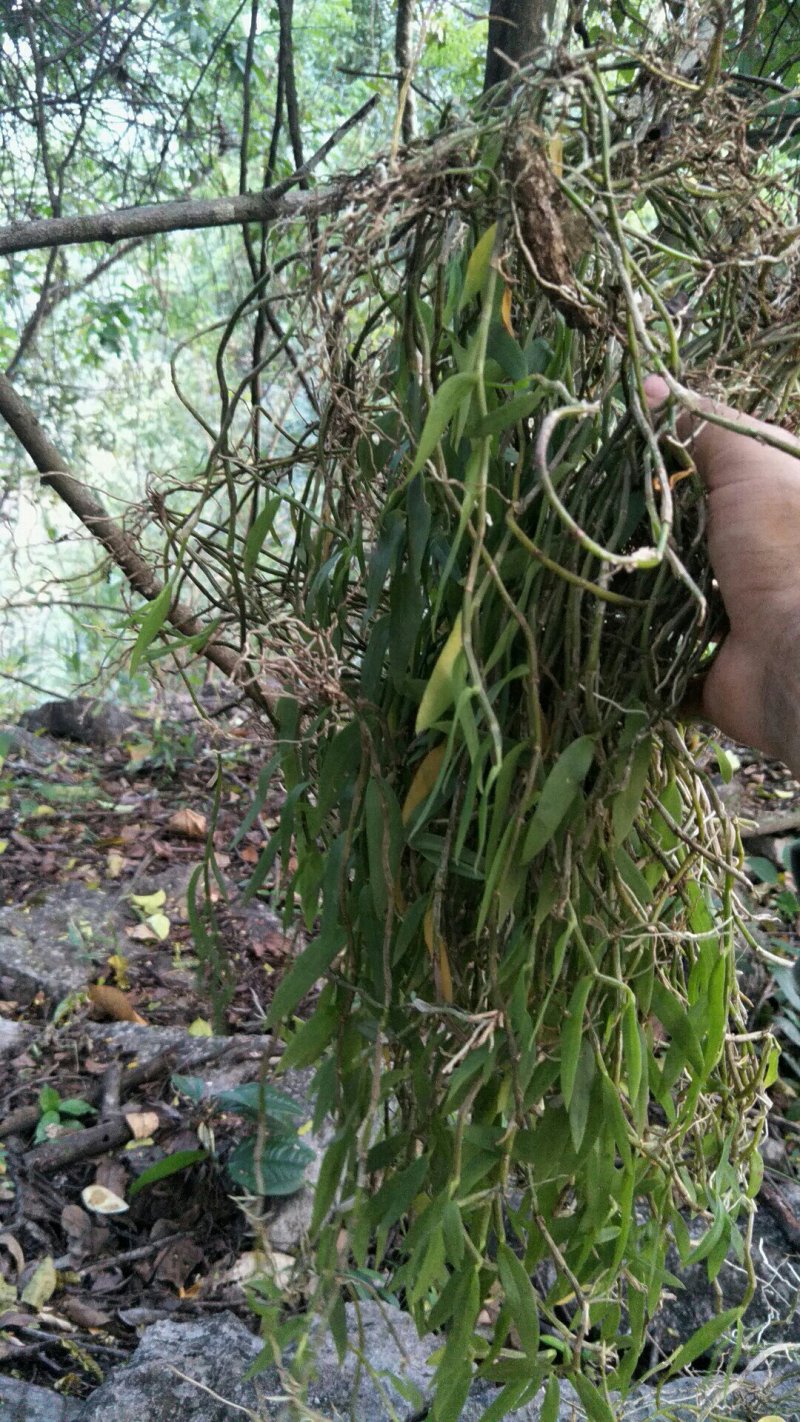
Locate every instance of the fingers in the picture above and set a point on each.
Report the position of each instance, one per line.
(724, 456)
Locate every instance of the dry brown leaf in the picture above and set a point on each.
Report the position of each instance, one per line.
(142, 933)
(114, 1004)
(113, 1174)
(12, 1245)
(13, 1318)
(189, 823)
(75, 1222)
(82, 1313)
(142, 1124)
(178, 1261)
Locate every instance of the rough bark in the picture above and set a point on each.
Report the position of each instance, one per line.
(403, 57)
(517, 28)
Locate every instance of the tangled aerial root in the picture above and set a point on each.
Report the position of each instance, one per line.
(490, 594)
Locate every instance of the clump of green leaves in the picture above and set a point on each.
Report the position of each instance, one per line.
(270, 1161)
(522, 894)
(59, 1116)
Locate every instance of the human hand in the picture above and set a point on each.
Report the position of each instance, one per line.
(752, 690)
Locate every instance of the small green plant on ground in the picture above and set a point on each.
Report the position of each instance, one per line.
(59, 1116)
(270, 1161)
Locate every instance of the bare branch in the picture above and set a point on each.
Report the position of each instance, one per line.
(113, 537)
(187, 214)
(402, 54)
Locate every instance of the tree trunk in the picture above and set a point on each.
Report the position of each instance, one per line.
(517, 28)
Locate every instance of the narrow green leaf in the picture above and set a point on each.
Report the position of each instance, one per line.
(341, 762)
(558, 794)
(518, 408)
(418, 514)
(582, 1093)
(384, 842)
(262, 790)
(306, 1045)
(597, 1409)
(301, 977)
(453, 1232)
(572, 1036)
(154, 619)
(676, 1021)
(478, 266)
(627, 802)
(704, 1339)
(552, 1398)
(507, 1398)
(632, 876)
(716, 1016)
(443, 406)
(170, 1165)
(441, 689)
(330, 1173)
(260, 527)
(632, 1049)
(396, 1194)
(521, 1298)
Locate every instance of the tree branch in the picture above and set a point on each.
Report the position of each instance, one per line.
(186, 214)
(113, 537)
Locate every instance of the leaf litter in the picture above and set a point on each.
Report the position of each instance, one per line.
(77, 1277)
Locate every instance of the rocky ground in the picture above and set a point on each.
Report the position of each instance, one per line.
(123, 1300)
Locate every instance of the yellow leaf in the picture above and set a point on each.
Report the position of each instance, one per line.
(139, 751)
(200, 1028)
(42, 811)
(148, 903)
(505, 311)
(440, 690)
(102, 1201)
(478, 265)
(142, 1124)
(3, 846)
(118, 964)
(423, 782)
(115, 863)
(41, 1285)
(160, 925)
(441, 963)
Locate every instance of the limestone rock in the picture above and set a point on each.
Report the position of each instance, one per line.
(56, 944)
(80, 718)
(22, 1402)
(188, 1371)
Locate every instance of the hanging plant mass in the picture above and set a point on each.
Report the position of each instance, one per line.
(521, 894)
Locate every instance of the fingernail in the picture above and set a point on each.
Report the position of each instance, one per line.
(656, 390)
